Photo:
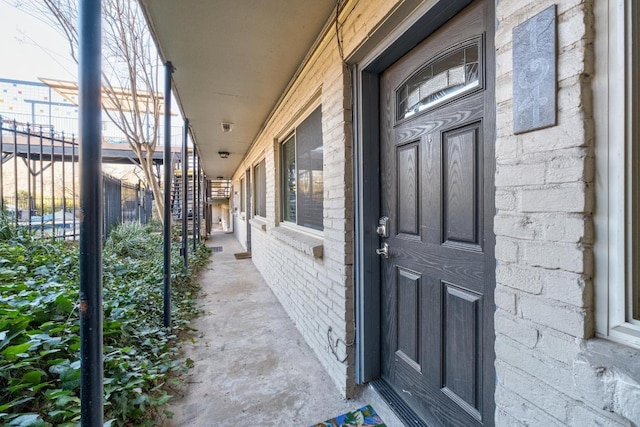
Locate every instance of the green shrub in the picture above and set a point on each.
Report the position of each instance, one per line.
(7, 228)
(39, 327)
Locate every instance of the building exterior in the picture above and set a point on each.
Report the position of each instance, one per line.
(41, 107)
(37, 104)
(499, 141)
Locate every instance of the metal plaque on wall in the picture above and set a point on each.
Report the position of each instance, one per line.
(534, 72)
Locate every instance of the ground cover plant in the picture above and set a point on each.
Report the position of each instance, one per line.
(39, 327)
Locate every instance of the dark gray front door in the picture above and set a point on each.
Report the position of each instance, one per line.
(436, 158)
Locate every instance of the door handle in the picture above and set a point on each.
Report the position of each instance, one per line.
(383, 251)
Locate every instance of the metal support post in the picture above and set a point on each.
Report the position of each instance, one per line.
(167, 195)
(91, 389)
(15, 172)
(53, 187)
(194, 199)
(2, 159)
(199, 198)
(185, 185)
(28, 164)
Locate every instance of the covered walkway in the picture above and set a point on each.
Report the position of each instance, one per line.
(251, 365)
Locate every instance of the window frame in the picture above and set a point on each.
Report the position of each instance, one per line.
(291, 135)
(260, 194)
(634, 163)
(617, 214)
(284, 180)
(243, 204)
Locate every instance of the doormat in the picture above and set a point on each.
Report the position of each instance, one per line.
(363, 417)
(242, 255)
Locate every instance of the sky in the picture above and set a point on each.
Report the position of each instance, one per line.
(30, 48)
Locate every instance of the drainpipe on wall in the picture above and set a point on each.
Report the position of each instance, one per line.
(89, 71)
(166, 235)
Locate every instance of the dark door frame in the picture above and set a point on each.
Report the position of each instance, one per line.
(248, 194)
(366, 154)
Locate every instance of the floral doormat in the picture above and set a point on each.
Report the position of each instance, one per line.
(363, 417)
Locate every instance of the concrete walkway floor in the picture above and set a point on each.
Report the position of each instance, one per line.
(251, 365)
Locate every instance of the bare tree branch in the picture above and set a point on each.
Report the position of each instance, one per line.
(129, 85)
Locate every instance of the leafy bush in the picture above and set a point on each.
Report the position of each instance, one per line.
(7, 230)
(39, 328)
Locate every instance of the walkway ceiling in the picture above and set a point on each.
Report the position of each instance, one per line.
(233, 59)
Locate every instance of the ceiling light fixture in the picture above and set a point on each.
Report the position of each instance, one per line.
(226, 127)
(223, 154)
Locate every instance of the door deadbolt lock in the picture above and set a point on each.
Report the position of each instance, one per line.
(383, 227)
(383, 251)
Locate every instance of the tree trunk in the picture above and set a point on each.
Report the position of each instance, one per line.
(145, 156)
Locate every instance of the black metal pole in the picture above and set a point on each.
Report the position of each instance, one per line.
(199, 199)
(193, 201)
(53, 187)
(89, 70)
(2, 159)
(15, 172)
(196, 200)
(167, 195)
(41, 175)
(185, 185)
(28, 164)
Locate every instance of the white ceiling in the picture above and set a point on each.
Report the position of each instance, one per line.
(233, 59)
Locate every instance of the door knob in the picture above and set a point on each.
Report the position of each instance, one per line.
(383, 251)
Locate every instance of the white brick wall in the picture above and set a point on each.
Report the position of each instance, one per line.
(544, 235)
(317, 293)
(544, 200)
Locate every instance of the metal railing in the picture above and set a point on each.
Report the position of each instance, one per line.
(68, 125)
(39, 183)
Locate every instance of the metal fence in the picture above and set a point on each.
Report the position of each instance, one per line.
(136, 203)
(39, 184)
(68, 125)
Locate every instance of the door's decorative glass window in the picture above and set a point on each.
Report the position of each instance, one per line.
(445, 78)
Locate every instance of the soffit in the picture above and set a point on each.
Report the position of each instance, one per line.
(233, 60)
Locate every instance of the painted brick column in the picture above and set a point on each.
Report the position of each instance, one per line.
(543, 225)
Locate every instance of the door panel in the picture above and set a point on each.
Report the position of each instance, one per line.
(408, 188)
(461, 185)
(409, 317)
(462, 315)
(437, 284)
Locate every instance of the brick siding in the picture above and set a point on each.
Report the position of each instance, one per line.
(544, 201)
(545, 194)
(317, 293)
